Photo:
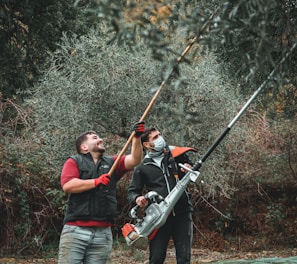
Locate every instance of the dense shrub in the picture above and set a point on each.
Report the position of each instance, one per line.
(31, 205)
(92, 85)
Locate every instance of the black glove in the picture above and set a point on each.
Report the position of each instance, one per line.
(138, 128)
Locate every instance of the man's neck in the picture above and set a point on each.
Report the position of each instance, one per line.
(96, 156)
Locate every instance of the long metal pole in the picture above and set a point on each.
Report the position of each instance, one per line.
(243, 109)
(153, 100)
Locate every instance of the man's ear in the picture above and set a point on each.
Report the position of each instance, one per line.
(84, 148)
(146, 145)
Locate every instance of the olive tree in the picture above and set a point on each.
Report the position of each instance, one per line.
(250, 37)
(95, 86)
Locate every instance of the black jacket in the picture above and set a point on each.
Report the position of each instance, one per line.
(96, 204)
(149, 176)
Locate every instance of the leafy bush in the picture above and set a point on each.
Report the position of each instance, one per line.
(30, 213)
(266, 152)
(93, 85)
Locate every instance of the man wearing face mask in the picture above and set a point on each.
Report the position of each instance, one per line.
(159, 172)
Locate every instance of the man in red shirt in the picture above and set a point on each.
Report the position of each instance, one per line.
(91, 207)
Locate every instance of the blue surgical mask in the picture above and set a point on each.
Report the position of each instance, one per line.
(159, 143)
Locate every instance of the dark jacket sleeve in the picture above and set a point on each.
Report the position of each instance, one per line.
(182, 159)
(136, 186)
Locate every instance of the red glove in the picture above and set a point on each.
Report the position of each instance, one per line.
(138, 128)
(103, 179)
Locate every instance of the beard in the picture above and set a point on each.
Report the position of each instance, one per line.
(98, 149)
(101, 150)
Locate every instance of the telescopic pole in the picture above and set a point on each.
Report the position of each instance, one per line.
(198, 164)
(152, 102)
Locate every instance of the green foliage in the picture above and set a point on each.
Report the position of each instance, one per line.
(264, 151)
(92, 85)
(250, 37)
(256, 36)
(29, 212)
(29, 31)
(154, 24)
(95, 84)
(275, 214)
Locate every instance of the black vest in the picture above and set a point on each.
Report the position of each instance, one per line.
(98, 204)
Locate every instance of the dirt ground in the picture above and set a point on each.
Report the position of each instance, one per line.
(199, 256)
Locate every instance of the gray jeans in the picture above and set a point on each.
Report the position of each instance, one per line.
(85, 245)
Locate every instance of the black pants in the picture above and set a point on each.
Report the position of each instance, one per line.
(180, 228)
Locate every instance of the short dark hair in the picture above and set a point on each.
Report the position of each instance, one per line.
(81, 138)
(145, 136)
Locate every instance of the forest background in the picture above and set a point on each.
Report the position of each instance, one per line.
(70, 66)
